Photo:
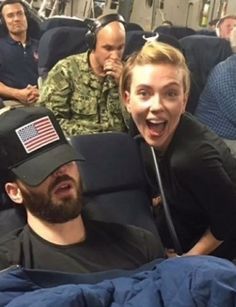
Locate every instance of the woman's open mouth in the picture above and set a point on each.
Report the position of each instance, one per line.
(156, 127)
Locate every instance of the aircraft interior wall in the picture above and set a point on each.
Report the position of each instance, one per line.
(180, 12)
(151, 13)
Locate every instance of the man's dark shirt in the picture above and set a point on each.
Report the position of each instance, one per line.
(18, 64)
(107, 246)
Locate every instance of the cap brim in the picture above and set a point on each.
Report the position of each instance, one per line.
(36, 170)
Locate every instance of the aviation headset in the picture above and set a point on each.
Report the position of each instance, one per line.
(96, 25)
(2, 20)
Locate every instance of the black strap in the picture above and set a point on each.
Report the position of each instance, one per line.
(170, 224)
(169, 220)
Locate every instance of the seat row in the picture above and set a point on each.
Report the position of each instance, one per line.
(202, 52)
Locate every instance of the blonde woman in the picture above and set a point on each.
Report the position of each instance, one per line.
(197, 169)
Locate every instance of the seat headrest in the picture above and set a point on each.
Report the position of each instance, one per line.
(102, 171)
(58, 43)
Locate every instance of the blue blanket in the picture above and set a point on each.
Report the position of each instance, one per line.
(179, 282)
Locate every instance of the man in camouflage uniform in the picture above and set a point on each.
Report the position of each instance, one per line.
(82, 90)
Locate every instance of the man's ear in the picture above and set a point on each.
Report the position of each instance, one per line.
(13, 191)
(126, 100)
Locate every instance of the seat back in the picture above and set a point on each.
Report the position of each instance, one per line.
(34, 24)
(61, 21)
(132, 26)
(206, 32)
(175, 31)
(58, 43)
(114, 183)
(202, 53)
(136, 39)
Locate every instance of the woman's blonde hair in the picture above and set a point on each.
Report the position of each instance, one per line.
(154, 53)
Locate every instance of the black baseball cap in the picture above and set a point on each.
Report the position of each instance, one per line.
(32, 144)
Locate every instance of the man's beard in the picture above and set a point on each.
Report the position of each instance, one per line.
(46, 209)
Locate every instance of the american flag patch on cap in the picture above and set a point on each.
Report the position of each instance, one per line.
(37, 134)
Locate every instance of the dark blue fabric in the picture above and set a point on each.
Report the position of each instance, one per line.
(58, 43)
(132, 26)
(202, 53)
(54, 22)
(217, 104)
(112, 194)
(175, 31)
(179, 282)
(206, 32)
(136, 39)
(18, 65)
(47, 279)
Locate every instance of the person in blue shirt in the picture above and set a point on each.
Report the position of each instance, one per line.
(18, 55)
(217, 107)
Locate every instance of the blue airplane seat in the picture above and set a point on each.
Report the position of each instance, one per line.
(175, 31)
(136, 39)
(114, 182)
(132, 26)
(61, 21)
(58, 43)
(202, 53)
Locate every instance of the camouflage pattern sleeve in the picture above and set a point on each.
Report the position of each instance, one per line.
(56, 91)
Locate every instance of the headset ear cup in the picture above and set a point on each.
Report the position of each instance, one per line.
(90, 38)
(27, 13)
(2, 21)
(3, 24)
